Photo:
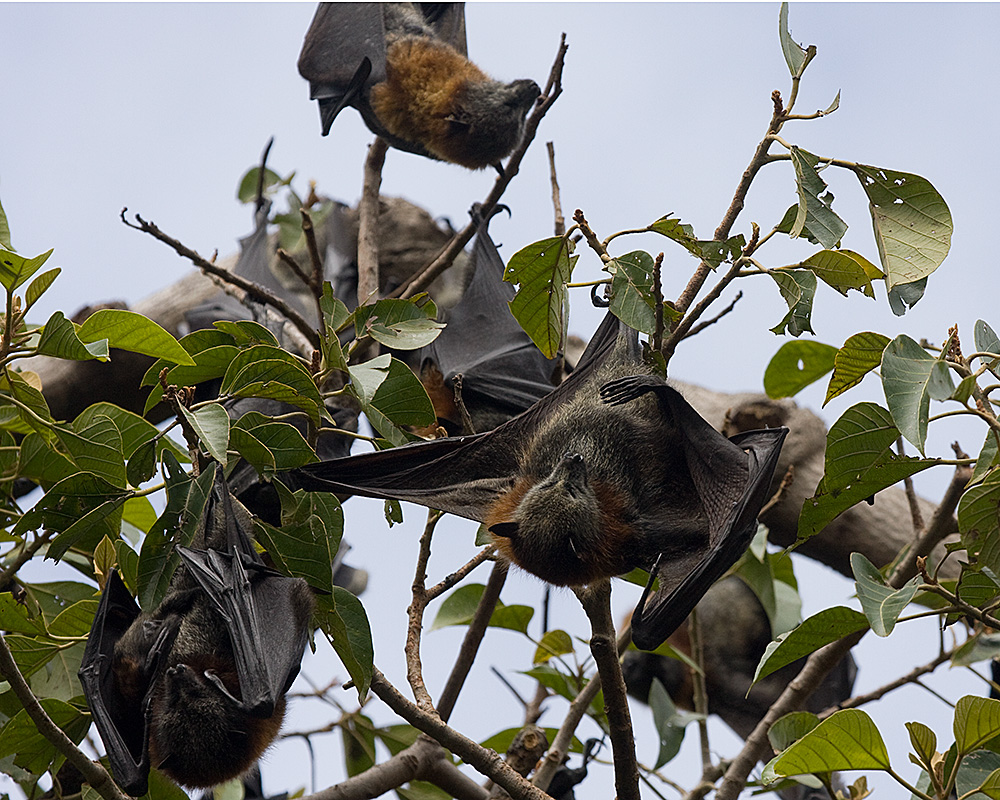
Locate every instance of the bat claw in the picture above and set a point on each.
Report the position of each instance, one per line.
(623, 390)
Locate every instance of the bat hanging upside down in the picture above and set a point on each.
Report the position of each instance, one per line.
(404, 67)
(610, 471)
(196, 687)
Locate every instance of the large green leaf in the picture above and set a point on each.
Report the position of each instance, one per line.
(790, 728)
(848, 739)
(399, 324)
(860, 354)
(859, 462)
(798, 288)
(266, 371)
(59, 340)
(632, 290)
(96, 446)
(669, 722)
(912, 223)
(911, 377)
(712, 251)
(270, 446)
(390, 393)
(16, 269)
(881, 603)
(979, 772)
(844, 270)
(815, 202)
(459, 607)
(796, 365)
(30, 749)
(977, 720)
(127, 330)
(542, 270)
(978, 521)
(924, 742)
(39, 286)
(211, 424)
(820, 629)
(343, 619)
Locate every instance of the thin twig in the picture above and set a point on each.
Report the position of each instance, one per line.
(257, 292)
(26, 554)
(596, 601)
(415, 615)
(473, 637)
(911, 493)
(487, 762)
(368, 208)
(560, 221)
(700, 692)
(702, 325)
(93, 773)
(446, 257)
(459, 574)
(877, 694)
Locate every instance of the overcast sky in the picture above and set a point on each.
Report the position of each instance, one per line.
(162, 107)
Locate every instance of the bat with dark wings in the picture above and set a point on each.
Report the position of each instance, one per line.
(196, 686)
(404, 67)
(610, 471)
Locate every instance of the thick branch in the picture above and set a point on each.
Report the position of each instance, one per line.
(368, 268)
(93, 773)
(487, 762)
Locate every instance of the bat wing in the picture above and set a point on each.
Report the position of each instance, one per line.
(264, 612)
(343, 55)
(121, 720)
(732, 478)
(461, 475)
(503, 372)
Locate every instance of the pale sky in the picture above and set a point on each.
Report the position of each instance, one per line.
(162, 107)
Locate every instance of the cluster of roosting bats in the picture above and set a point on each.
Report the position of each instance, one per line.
(610, 470)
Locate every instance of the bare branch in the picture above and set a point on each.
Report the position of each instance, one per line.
(368, 278)
(93, 773)
(560, 221)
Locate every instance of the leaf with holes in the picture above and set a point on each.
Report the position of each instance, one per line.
(858, 356)
(844, 270)
(798, 288)
(912, 223)
(796, 365)
(815, 211)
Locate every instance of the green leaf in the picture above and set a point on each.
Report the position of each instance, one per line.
(910, 378)
(246, 192)
(977, 720)
(977, 513)
(669, 722)
(796, 365)
(387, 386)
(906, 295)
(912, 223)
(843, 270)
(270, 446)
(979, 647)
(881, 603)
(127, 330)
(979, 771)
(988, 342)
(399, 324)
(358, 735)
(632, 290)
(211, 362)
(15, 617)
(790, 728)
(815, 202)
(28, 393)
(860, 354)
(924, 742)
(59, 340)
(709, 250)
(211, 424)
(4, 230)
(266, 371)
(30, 749)
(16, 269)
(343, 619)
(459, 607)
(246, 332)
(848, 739)
(827, 626)
(553, 643)
(859, 463)
(795, 54)
(798, 288)
(976, 587)
(96, 447)
(541, 271)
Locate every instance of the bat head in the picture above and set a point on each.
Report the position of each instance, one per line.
(559, 528)
(201, 735)
(487, 121)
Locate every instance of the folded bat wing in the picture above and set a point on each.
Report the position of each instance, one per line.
(258, 606)
(122, 721)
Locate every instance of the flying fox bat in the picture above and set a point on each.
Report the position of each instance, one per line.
(404, 67)
(502, 371)
(610, 471)
(196, 687)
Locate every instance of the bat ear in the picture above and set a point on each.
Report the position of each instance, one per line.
(506, 530)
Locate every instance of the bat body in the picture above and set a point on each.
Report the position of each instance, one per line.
(404, 67)
(611, 470)
(196, 686)
(502, 372)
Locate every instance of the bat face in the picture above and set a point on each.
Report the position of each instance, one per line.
(611, 470)
(196, 686)
(404, 67)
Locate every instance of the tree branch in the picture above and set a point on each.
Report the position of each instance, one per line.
(368, 268)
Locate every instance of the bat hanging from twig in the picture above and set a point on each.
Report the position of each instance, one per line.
(196, 687)
(610, 471)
